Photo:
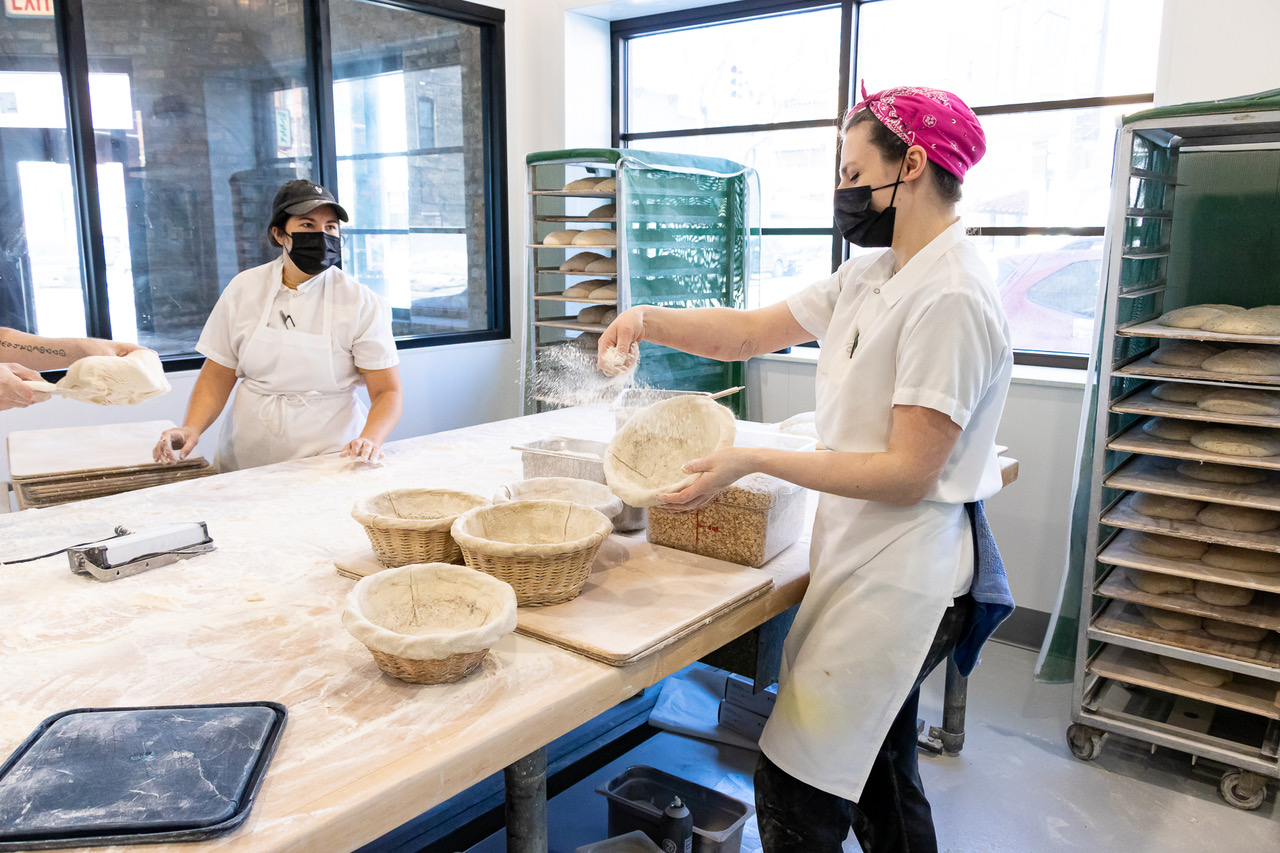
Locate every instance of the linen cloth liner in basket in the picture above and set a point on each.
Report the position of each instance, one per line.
(647, 455)
(544, 549)
(429, 623)
(412, 525)
(585, 492)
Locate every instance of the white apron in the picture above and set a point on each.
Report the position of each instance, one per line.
(297, 397)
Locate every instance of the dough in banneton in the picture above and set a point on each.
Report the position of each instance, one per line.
(1240, 401)
(1162, 506)
(1193, 316)
(1206, 676)
(1242, 559)
(1235, 631)
(1224, 595)
(580, 262)
(1171, 429)
(1170, 620)
(1246, 361)
(1157, 583)
(1184, 353)
(1212, 472)
(1233, 441)
(1241, 519)
(647, 456)
(1170, 547)
(1178, 392)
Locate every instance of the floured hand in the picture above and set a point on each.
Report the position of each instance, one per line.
(175, 445)
(363, 450)
(717, 471)
(14, 392)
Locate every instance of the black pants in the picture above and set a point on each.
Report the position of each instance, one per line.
(893, 815)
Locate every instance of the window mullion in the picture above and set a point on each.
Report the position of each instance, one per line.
(320, 81)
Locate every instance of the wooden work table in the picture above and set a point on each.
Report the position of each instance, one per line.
(259, 619)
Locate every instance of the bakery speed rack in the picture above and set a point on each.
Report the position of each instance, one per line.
(662, 229)
(1205, 681)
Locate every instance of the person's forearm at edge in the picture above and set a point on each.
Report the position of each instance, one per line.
(386, 404)
(41, 353)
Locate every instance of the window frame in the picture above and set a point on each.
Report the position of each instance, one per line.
(73, 64)
(624, 30)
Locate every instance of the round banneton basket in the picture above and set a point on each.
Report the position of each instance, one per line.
(544, 549)
(429, 623)
(647, 455)
(412, 525)
(585, 492)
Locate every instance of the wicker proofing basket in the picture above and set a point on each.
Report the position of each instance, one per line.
(412, 525)
(429, 623)
(544, 549)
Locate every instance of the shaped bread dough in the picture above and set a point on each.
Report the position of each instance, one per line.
(1222, 594)
(1178, 392)
(1170, 620)
(582, 185)
(609, 316)
(1161, 506)
(1193, 316)
(1235, 631)
(580, 261)
(588, 341)
(1246, 361)
(1171, 429)
(1241, 519)
(1242, 559)
(1206, 676)
(1252, 322)
(608, 185)
(560, 238)
(579, 290)
(1240, 401)
(1184, 353)
(605, 291)
(594, 284)
(592, 313)
(1157, 583)
(1170, 547)
(604, 265)
(1212, 472)
(113, 380)
(1231, 441)
(646, 457)
(596, 237)
(604, 211)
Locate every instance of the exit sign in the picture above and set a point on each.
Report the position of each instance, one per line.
(28, 8)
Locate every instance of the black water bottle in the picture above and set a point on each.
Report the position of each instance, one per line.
(677, 828)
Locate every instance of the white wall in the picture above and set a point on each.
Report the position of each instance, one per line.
(1210, 51)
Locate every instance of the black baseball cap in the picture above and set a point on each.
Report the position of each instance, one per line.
(300, 197)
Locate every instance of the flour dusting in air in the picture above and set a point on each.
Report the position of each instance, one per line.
(567, 375)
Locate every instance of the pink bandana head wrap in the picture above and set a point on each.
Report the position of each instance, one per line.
(936, 120)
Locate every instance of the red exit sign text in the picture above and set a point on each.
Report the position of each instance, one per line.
(28, 8)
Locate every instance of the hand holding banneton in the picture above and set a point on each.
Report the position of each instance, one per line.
(619, 347)
(362, 450)
(175, 444)
(718, 471)
(14, 392)
(99, 346)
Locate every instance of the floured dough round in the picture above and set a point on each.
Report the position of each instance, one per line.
(1170, 620)
(1161, 506)
(582, 185)
(606, 291)
(1212, 472)
(592, 314)
(608, 185)
(1170, 547)
(596, 237)
(604, 265)
(1241, 519)
(1193, 316)
(646, 457)
(1240, 401)
(1231, 441)
(560, 238)
(1157, 583)
(113, 380)
(1242, 559)
(1178, 392)
(1184, 353)
(1206, 676)
(1246, 361)
(580, 262)
(1252, 322)
(604, 211)
(1171, 429)
(1235, 631)
(1222, 594)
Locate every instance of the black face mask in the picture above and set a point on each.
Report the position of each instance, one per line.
(858, 223)
(313, 252)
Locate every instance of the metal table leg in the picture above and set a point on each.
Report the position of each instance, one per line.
(526, 785)
(948, 738)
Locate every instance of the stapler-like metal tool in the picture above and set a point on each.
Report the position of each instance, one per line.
(132, 553)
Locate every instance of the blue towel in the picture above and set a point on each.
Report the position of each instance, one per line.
(992, 600)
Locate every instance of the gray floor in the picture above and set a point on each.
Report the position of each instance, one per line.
(1015, 787)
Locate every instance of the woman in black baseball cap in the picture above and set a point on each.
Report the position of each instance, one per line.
(301, 334)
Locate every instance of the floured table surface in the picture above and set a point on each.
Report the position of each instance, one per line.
(66, 450)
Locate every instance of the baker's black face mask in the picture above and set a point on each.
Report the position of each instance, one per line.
(313, 252)
(858, 223)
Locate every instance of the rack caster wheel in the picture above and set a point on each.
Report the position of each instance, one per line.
(1243, 789)
(1086, 742)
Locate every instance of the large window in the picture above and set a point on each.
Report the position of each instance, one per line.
(161, 171)
(760, 82)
